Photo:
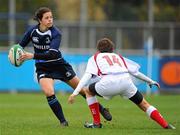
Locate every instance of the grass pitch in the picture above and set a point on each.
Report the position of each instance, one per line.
(29, 114)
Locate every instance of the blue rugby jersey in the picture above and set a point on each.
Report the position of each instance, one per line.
(46, 44)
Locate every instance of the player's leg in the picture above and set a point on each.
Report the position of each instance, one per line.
(100, 88)
(152, 112)
(104, 111)
(48, 89)
(94, 108)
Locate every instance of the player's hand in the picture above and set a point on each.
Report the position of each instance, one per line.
(71, 99)
(154, 83)
(26, 56)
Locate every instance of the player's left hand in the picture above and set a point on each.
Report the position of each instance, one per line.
(154, 83)
(71, 99)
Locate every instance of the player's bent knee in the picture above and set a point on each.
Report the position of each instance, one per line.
(137, 98)
(48, 92)
(92, 89)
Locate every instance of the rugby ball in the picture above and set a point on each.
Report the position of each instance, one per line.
(14, 54)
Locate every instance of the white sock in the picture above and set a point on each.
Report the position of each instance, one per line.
(150, 109)
(91, 100)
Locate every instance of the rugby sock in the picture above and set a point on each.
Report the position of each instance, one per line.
(156, 116)
(56, 107)
(101, 108)
(94, 107)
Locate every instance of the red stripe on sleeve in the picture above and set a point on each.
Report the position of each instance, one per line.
(123, 61)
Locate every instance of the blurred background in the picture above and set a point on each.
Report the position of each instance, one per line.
(146, 31)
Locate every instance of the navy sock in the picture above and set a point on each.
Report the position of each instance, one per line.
(56, 107)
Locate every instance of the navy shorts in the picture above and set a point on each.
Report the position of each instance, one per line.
(60, 70)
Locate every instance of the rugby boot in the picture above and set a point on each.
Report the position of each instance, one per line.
(64, 124)
(170, 127)
(106, 114)
(92, 125)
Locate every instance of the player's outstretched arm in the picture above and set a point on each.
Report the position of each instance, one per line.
(85, 79)
(146, 79)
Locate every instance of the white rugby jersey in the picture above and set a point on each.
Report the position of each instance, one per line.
(110, 63)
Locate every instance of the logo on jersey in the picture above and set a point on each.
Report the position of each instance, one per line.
(35, 39)
(68, 74)
(42, 47)
(47, 40)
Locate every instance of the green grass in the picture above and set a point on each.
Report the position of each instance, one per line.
(29, 114)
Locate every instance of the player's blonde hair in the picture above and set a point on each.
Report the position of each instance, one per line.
(105, 45)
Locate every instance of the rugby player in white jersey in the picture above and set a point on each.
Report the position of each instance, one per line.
(115, 79)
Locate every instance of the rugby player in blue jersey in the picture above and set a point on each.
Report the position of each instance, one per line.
(49, 62)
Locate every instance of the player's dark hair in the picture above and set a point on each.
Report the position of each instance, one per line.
(105, 45)
(39, 13)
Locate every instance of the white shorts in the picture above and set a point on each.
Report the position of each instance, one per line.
(112, 85)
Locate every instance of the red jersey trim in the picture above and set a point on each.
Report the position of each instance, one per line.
(123, 60)
(95, 59)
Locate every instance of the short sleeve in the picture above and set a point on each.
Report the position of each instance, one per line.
(27, 37)
(56, 39)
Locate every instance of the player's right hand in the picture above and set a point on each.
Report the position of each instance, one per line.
(71, 99)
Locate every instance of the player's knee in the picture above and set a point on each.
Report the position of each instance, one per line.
(92, 88)
(137, 98)
(48, 92)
